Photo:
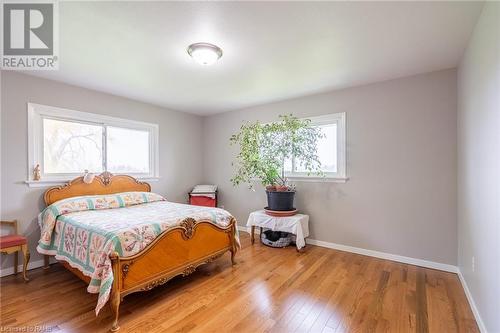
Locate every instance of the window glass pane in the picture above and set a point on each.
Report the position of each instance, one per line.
(288, 165)
(127, 150)
(70, 147)
(327, 149)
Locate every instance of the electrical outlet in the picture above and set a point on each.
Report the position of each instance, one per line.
(473, 264)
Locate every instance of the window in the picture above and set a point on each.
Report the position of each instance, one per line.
(331, 149)
(69, 146)
(122, 143)
(65, 143)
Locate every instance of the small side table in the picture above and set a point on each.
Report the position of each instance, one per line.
(297, 224)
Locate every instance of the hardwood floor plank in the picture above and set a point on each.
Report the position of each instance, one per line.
(421, 298)
(395, 301)
(440, 309)
(269, 290)
(355, 293)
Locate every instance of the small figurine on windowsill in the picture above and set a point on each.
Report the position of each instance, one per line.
(36, 172)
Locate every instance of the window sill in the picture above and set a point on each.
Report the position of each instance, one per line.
(60, 182)
(314, 179)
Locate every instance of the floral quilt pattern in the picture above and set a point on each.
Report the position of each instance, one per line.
(85, 231)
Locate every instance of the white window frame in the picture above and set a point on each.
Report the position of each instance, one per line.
(38, 112)
(341, 175)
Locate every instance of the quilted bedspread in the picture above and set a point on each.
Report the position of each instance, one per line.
(84, 231)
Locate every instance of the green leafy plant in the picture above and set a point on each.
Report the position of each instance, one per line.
(266, 148)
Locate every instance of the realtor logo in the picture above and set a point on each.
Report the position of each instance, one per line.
(29, 36)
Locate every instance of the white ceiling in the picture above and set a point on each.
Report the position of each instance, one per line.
(272, 50)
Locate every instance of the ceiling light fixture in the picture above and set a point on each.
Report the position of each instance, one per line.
(204, 53)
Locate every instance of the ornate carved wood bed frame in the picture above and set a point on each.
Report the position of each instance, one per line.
(177, 251)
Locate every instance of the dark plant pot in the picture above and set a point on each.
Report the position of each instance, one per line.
(281, 201)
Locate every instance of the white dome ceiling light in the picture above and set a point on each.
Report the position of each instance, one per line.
(204, 53)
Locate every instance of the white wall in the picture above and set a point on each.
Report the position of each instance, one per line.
(479, 165)
(401, 196)
(180, 137)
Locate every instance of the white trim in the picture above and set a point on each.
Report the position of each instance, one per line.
(384, 255)
(316, 179)
(472, 304)
(36, 113)
(31, 265)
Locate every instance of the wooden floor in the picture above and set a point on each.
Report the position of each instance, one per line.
(269, 290)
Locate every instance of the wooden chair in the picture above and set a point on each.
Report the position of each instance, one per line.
(13, 244)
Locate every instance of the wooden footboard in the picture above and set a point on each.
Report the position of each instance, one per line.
(178, 251)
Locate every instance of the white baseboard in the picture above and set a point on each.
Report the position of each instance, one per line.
(31, 265)
(377, 254)
(387, 256)
(472, 304)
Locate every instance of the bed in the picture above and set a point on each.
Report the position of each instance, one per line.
(120, 238)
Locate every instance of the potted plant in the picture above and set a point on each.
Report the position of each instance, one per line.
(267, 149)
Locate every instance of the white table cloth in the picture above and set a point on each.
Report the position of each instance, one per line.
(297, 224)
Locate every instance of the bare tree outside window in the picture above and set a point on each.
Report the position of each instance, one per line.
(71, 147)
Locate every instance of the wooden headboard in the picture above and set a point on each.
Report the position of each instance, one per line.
(105, 183)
